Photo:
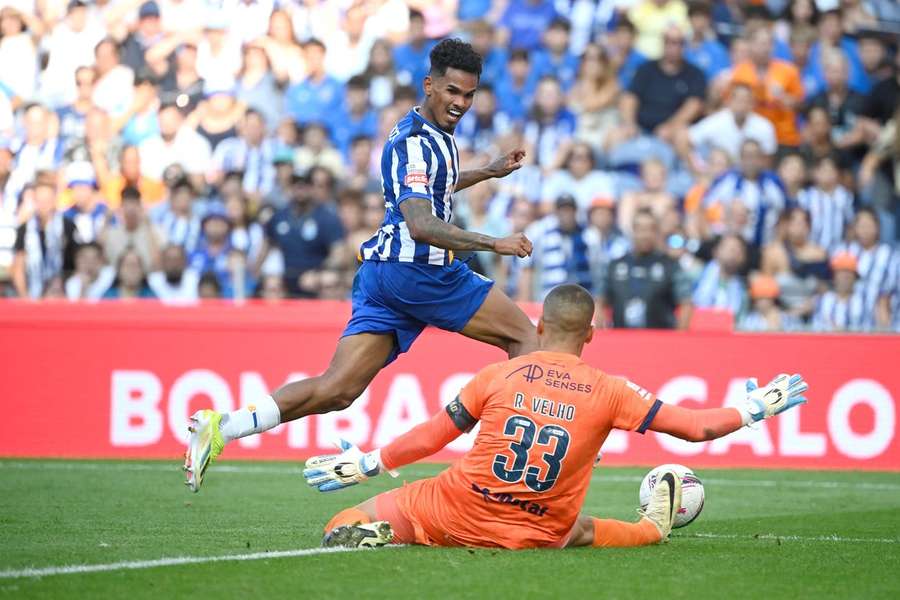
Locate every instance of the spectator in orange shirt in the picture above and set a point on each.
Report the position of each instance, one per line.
(152, 190)
(776, 86)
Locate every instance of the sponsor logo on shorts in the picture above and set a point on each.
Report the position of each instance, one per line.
(527, 506)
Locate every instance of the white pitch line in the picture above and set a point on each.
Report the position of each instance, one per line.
(791, 538)
(167, 562)
(251, 469)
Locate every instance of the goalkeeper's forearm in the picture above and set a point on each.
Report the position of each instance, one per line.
(697, 425)
(420, 442)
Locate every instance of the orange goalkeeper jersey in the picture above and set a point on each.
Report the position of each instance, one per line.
(544, 417)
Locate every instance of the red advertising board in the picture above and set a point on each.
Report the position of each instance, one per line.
(119, 381)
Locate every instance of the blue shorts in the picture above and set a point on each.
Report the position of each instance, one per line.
(402, 298)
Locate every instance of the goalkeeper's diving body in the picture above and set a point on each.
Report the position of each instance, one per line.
(409, 277)
(544, 417)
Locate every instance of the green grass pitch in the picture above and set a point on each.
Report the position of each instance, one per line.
(763, 534)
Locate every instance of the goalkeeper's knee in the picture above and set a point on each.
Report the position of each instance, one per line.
(348, 516)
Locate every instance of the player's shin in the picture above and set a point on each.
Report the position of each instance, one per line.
(609, 533)
(255, 418)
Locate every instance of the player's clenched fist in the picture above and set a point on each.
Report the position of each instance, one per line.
(514, 245)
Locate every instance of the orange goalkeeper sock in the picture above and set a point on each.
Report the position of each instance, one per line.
(348, 516)
(609, 533)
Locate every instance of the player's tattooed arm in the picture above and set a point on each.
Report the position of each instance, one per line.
(426, 228)
(499, 167)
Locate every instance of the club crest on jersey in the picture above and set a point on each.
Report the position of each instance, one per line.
(415, 173)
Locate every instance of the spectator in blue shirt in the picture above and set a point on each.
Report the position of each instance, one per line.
(831, 35)
(356, 117)
(516, 85)
(524, 22)
(470, 10)
(72, 117)
(481, 126)
(411, 59)
(493, 57)
(309, 235)
(216, 254)
(703, 49)
(317, 97)
(622, 54)
(550, 123)
(554, 57)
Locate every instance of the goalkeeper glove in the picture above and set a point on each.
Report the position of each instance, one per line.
(782, 393)
(333, 472)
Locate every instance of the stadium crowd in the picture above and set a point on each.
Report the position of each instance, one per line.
(733, 154)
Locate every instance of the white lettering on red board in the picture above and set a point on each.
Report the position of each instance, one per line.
(141, 408)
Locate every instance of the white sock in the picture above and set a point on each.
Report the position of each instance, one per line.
(251, 419)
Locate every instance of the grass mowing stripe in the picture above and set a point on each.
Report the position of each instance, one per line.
(790, 538)
(250, 469)
(166, 562)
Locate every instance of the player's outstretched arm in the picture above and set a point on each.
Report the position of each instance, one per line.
(337, 471)
(426, 228)
(499, 167)
(782, 393)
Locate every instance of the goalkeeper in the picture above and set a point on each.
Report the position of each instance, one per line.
(544, 417)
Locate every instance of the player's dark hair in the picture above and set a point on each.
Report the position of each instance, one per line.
(453, 53)
(568, 309)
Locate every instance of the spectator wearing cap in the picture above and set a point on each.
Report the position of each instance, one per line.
(309, 235)
(175, 144)
(554, 56)
(580, 178)
(549, 125)
(133, 231)
(829, 203)
(70, 45)
(131, 278)
(318, 96)
(665, 95)
(604, 239)
(776, 86)
(645, 287)
(875, 265)
(92, 277)
(653, 18)
(89, 213)
(217, 117)
(721, 285)
(250, 153)
(703, 49)
(727, 129)
(176, 219)
(411, 58)
(560, 254)
(114, 87)
(758, 190)
(45, 243)
(174, 281)
(147, 33)
(257, 87)
(523, 22)
(766, 314)
(843, 308)
(356, 117)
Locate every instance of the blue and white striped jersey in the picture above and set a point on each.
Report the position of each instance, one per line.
(833, 313)
(419, 160)
(763, 199)
(877, 274)
(830, 213)
(558, 257)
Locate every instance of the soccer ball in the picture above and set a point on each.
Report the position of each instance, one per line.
(692, 494)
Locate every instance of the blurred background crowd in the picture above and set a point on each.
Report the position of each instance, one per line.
(735, 155)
